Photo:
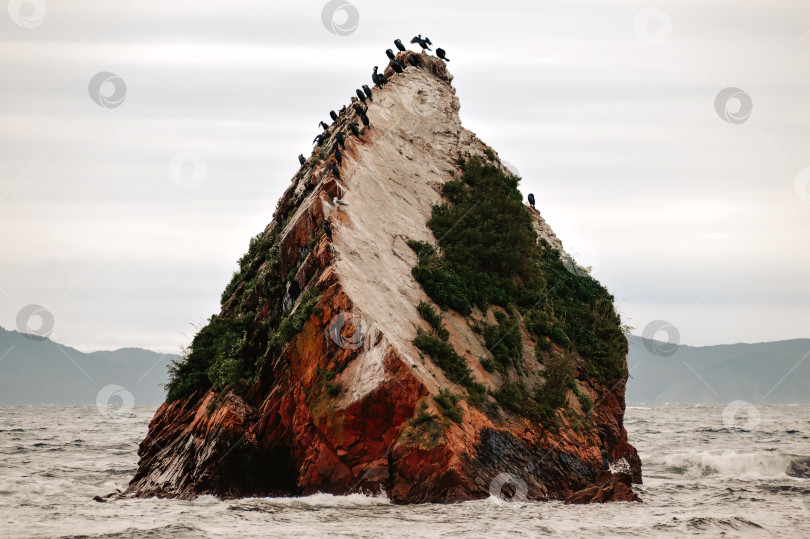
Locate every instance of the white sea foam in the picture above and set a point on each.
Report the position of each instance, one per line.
(728, 463)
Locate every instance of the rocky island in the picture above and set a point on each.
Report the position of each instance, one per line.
(405, 325)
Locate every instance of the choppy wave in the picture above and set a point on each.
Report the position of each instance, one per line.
(160, 532)
(699, 479)
(799, 467)
(729, 463)
(721, 525)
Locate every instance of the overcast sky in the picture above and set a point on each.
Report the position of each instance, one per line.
(125, 219)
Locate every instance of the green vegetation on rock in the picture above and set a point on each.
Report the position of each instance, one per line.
(428, 313)
(228, 352)
(504, 339)
(489, 254)
(444, 355)
(449, 404)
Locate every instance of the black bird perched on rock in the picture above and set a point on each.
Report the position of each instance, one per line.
(318, 140)
(390, 54)
(531, 201)
(368, 92)
(339, 139)
(375, 78)
(333, 115)
(422, 42)
(441, 54)
(327, 230)
(395, 66)
(301, 159)
(338, 156)
(364, 119)
(361, 96)
(383, 80)
(323, 125)
(413, 60)
(335, 171)
(399, 45)
(358, 108)
(355, 131)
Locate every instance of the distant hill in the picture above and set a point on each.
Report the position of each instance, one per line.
(45, 372)
(722, 373)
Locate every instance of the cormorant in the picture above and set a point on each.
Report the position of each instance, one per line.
(395, 66)
(333, 115)
(324, 125)
(339, 139)
(318, 140)
(361, 95)
(338, 156)
(355, 131)
(422, 42)
(390, 54)
(327, 230)
(531, 201)
(375, 78)
(399, 45)
(368, 92)
(335, 171)
(413, 60)
(383, 79)
(364, 119)
(302, 159)
(440, 53)
(358, 108)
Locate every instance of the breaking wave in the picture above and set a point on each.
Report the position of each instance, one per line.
(730, 463)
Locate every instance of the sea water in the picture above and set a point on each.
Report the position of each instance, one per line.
(702, 476)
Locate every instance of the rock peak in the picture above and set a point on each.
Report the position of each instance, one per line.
(331, 369)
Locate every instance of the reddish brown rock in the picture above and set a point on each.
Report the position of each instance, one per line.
(294, 432)
(609, 487)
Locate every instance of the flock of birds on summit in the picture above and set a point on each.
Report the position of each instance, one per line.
(358, 104)
(364, 93)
